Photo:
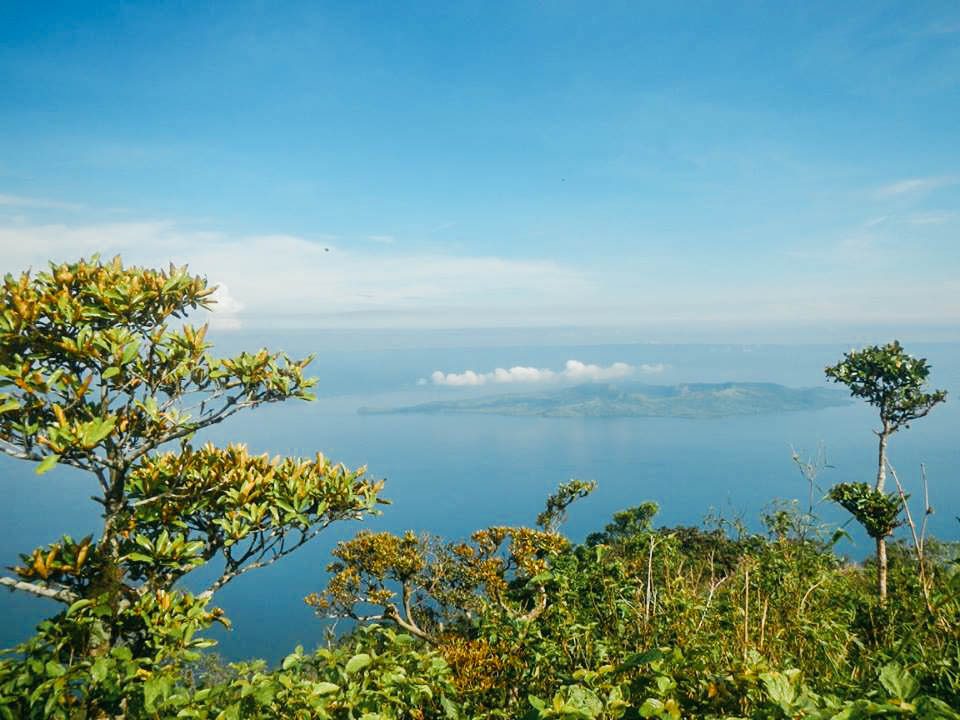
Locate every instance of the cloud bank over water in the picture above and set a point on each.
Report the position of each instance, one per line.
(573, 371)
(823, 287)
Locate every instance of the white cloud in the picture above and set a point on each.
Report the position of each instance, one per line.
(37, 203)
(576, 370)
(573, 371)
(914, 185)
(285, 281)
(652, 368)
(24, 246)
(226, 309)
(521, 374)
(468, 377)
(299, 281)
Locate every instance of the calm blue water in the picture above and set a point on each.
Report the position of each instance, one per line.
(450, 475)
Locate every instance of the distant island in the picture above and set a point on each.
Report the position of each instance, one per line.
(693, 400)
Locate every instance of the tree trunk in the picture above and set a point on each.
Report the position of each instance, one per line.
(882, 459)
(882, 542)
(882, 570)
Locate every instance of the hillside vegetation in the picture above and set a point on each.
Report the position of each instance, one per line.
(639, 621)
(693, 400)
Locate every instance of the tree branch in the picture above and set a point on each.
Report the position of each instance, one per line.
(218, 417)
(537, 609)
(8, 448)
(62, 595)
(407, 624)
(229, 574)
(18, 452)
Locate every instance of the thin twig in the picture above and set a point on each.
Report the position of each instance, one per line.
(646, 605)
(927, 510)
(746, 607)
(917, 541)
(713, 589)
(763, 620)
(803, 600)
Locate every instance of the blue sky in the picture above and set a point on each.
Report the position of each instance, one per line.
(686, 169)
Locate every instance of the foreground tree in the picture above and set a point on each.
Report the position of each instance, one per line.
(98, 373)
(423, 584)
(895, 383)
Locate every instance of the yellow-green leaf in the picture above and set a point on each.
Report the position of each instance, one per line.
(79, 605)
(47, 464)
(98, 430)
(357, 663)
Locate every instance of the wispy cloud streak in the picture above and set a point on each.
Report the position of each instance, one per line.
(19, 201)
(911, 186)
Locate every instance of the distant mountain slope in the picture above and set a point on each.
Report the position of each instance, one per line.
(694, 400)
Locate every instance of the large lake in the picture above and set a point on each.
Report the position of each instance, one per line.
(448, 475)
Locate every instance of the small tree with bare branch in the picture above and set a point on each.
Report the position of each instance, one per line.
(894, 382)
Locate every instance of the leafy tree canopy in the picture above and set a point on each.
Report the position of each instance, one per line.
(99, 371)
(890, 379)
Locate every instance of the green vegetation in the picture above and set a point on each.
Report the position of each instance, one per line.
(639, 621)
(695, 400)
(93, 376)
(892, 381)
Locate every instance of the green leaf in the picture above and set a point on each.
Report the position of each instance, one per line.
(940, 710)
(357, 663)
(264, 694)
(151, 690)
(651, 708)
(449, 709)
(584, 701)
(637, 659)
(130, 352)
(780, 690)
(99, 670)
(9, 405)
(46, 465)
(98, 430)
(325, 688)
(110, 372)
(122, 653)
(139, 557)
(898, 682)
(78, 605)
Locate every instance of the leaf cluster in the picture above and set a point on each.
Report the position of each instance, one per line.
(876, 511)
(890, 379)
(92, 375)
